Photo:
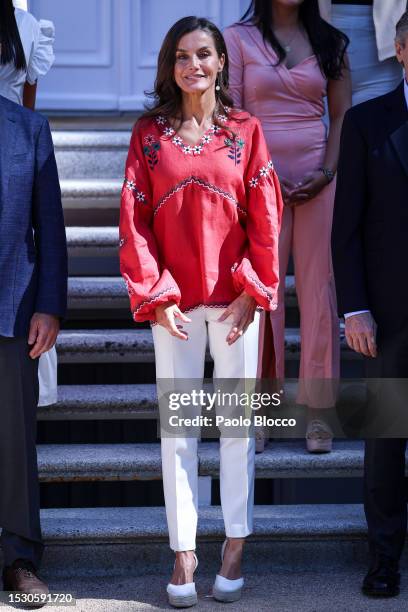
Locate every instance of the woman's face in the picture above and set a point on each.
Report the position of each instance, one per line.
(287, 3)
(197, 63)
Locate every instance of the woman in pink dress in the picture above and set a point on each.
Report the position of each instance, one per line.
(284, 60)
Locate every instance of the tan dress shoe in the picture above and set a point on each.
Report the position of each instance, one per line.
(21, 576)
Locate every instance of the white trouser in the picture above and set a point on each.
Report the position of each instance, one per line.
(185, 359)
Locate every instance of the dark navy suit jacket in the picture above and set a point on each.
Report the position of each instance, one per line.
(370, 224)
(33, 252)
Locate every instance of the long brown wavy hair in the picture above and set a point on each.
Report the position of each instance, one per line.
(167, 95)
(329, 44)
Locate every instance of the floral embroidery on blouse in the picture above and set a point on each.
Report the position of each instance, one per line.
(187, 149)
(149, 139)
(235, 147)
(131, 186)
(150, 150)
(264, 171)
(194, 149)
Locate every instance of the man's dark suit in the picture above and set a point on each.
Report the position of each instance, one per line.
(370, 247)
(33, 278)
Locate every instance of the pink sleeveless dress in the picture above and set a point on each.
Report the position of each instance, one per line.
(290, 106)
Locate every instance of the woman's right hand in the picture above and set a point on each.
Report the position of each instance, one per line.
(166, 314)
(286, 189)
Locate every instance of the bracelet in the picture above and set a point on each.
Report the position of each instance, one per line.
(329, 174)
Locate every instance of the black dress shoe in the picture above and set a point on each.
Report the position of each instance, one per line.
(383, 578)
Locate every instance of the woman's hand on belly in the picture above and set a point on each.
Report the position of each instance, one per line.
(308, 188)
(242, 310)
(287, 188)
(166, 316)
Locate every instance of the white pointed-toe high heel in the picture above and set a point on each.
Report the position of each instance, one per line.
(224, 589)
(183, 595)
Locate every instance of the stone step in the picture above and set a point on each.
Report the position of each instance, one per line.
(102, 402)
(128, 462)
(96, 293)
(93, 193)
(107, 292)
(134, 541)
(139, 401)
(91, 154)
(136, 346)
(110, 121)
(93, 251)
(105, 346)
(92, 237)
(75, 526)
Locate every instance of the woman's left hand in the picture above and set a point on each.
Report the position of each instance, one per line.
(242, 310)
(308, 188)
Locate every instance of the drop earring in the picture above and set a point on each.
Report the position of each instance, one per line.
(217, 87)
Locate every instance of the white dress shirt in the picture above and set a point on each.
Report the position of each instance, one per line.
(356, 312)
(406, 89)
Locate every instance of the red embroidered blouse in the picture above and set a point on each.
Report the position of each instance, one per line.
(199, 224)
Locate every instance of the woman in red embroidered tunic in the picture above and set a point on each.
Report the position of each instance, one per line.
(198, 223)
(200, 216)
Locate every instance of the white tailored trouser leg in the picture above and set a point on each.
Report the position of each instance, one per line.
(237, 454)
(185, 359)
(180, 359)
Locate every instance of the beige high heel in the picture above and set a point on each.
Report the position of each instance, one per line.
(319, 437)
(183, 595)
(224, 589)
(261, 438)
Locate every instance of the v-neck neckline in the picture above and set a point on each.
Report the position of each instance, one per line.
(205, 139)
(269, 51)
(303, 61)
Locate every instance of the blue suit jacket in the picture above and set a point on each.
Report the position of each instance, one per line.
(33, 251)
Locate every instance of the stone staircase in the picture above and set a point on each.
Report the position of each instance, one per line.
(100, 340)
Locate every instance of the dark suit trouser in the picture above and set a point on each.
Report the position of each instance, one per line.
(19, 488)
(385, 494)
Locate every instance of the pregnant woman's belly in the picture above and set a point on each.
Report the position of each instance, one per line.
(296, 147)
